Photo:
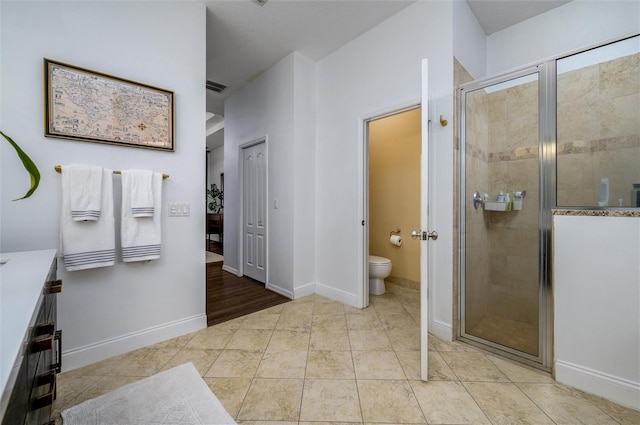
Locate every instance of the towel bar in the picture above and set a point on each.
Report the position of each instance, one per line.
(58, 168)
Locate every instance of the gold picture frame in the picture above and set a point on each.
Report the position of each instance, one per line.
(90, 106)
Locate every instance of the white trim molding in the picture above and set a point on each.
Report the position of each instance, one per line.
(92, 353)
(304, 290)
(279, 290)
(610, 387)
(231, 270)
(337, 295)
(441, 329)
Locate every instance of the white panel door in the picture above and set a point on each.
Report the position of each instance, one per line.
(254, 209)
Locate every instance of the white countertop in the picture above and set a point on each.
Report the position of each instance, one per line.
(22, 278)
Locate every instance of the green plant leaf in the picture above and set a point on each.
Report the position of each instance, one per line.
(28, 165)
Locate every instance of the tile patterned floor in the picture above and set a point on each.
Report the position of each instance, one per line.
(316, 361)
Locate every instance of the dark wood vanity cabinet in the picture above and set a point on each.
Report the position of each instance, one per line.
(41, 353)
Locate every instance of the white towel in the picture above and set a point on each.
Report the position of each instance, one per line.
(140, 186)
(84, 183)
(141, 236)
(88, 244)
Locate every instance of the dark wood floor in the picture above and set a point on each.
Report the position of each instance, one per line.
(230, 296)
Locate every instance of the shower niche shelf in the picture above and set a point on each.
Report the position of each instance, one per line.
(502, 206)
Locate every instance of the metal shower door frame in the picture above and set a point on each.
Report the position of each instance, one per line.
(547, 186)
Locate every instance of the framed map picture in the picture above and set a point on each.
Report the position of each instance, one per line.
(86, 105)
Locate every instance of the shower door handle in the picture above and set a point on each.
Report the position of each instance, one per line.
(478, 202)
(423, 236)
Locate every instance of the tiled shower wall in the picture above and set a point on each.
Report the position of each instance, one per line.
(477, 242)
(599, 132)
(514, 165)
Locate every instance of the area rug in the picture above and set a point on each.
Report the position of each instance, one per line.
(175, 396)
(212, 257)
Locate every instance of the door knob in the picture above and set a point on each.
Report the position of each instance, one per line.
(419, 234)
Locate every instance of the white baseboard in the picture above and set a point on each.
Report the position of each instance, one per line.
(277, 289)
(92, 353)
(591, 381)
(304, 290)
(230, 270)
(442, 330)
(336, 294)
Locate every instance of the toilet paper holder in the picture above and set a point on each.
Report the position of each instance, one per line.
(394, 232)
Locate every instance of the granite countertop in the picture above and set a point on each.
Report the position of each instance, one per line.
(22, 277)
(622, 212)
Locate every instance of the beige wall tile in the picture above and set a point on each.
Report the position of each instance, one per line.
(620, 77)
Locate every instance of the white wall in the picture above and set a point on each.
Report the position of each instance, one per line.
(111, 310)
(574, 25)
(597, 305)
(378, 72)
(469, 40)
(275, 105)
(304, 183)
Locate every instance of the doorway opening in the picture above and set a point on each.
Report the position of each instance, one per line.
(394, 145)
(395, 170)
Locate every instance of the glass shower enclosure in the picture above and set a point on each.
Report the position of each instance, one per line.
(563, 133)
(504, 228)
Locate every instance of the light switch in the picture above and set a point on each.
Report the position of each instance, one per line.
(276, 204)
(179, 209)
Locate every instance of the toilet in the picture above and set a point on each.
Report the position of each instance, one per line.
(379, 268)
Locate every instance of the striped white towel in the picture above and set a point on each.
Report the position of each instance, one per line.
(84, 186)
(141, 236)
(139, 184)
(88, 244)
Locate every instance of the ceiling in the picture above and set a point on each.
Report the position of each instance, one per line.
(496, 15)
(244, 38)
